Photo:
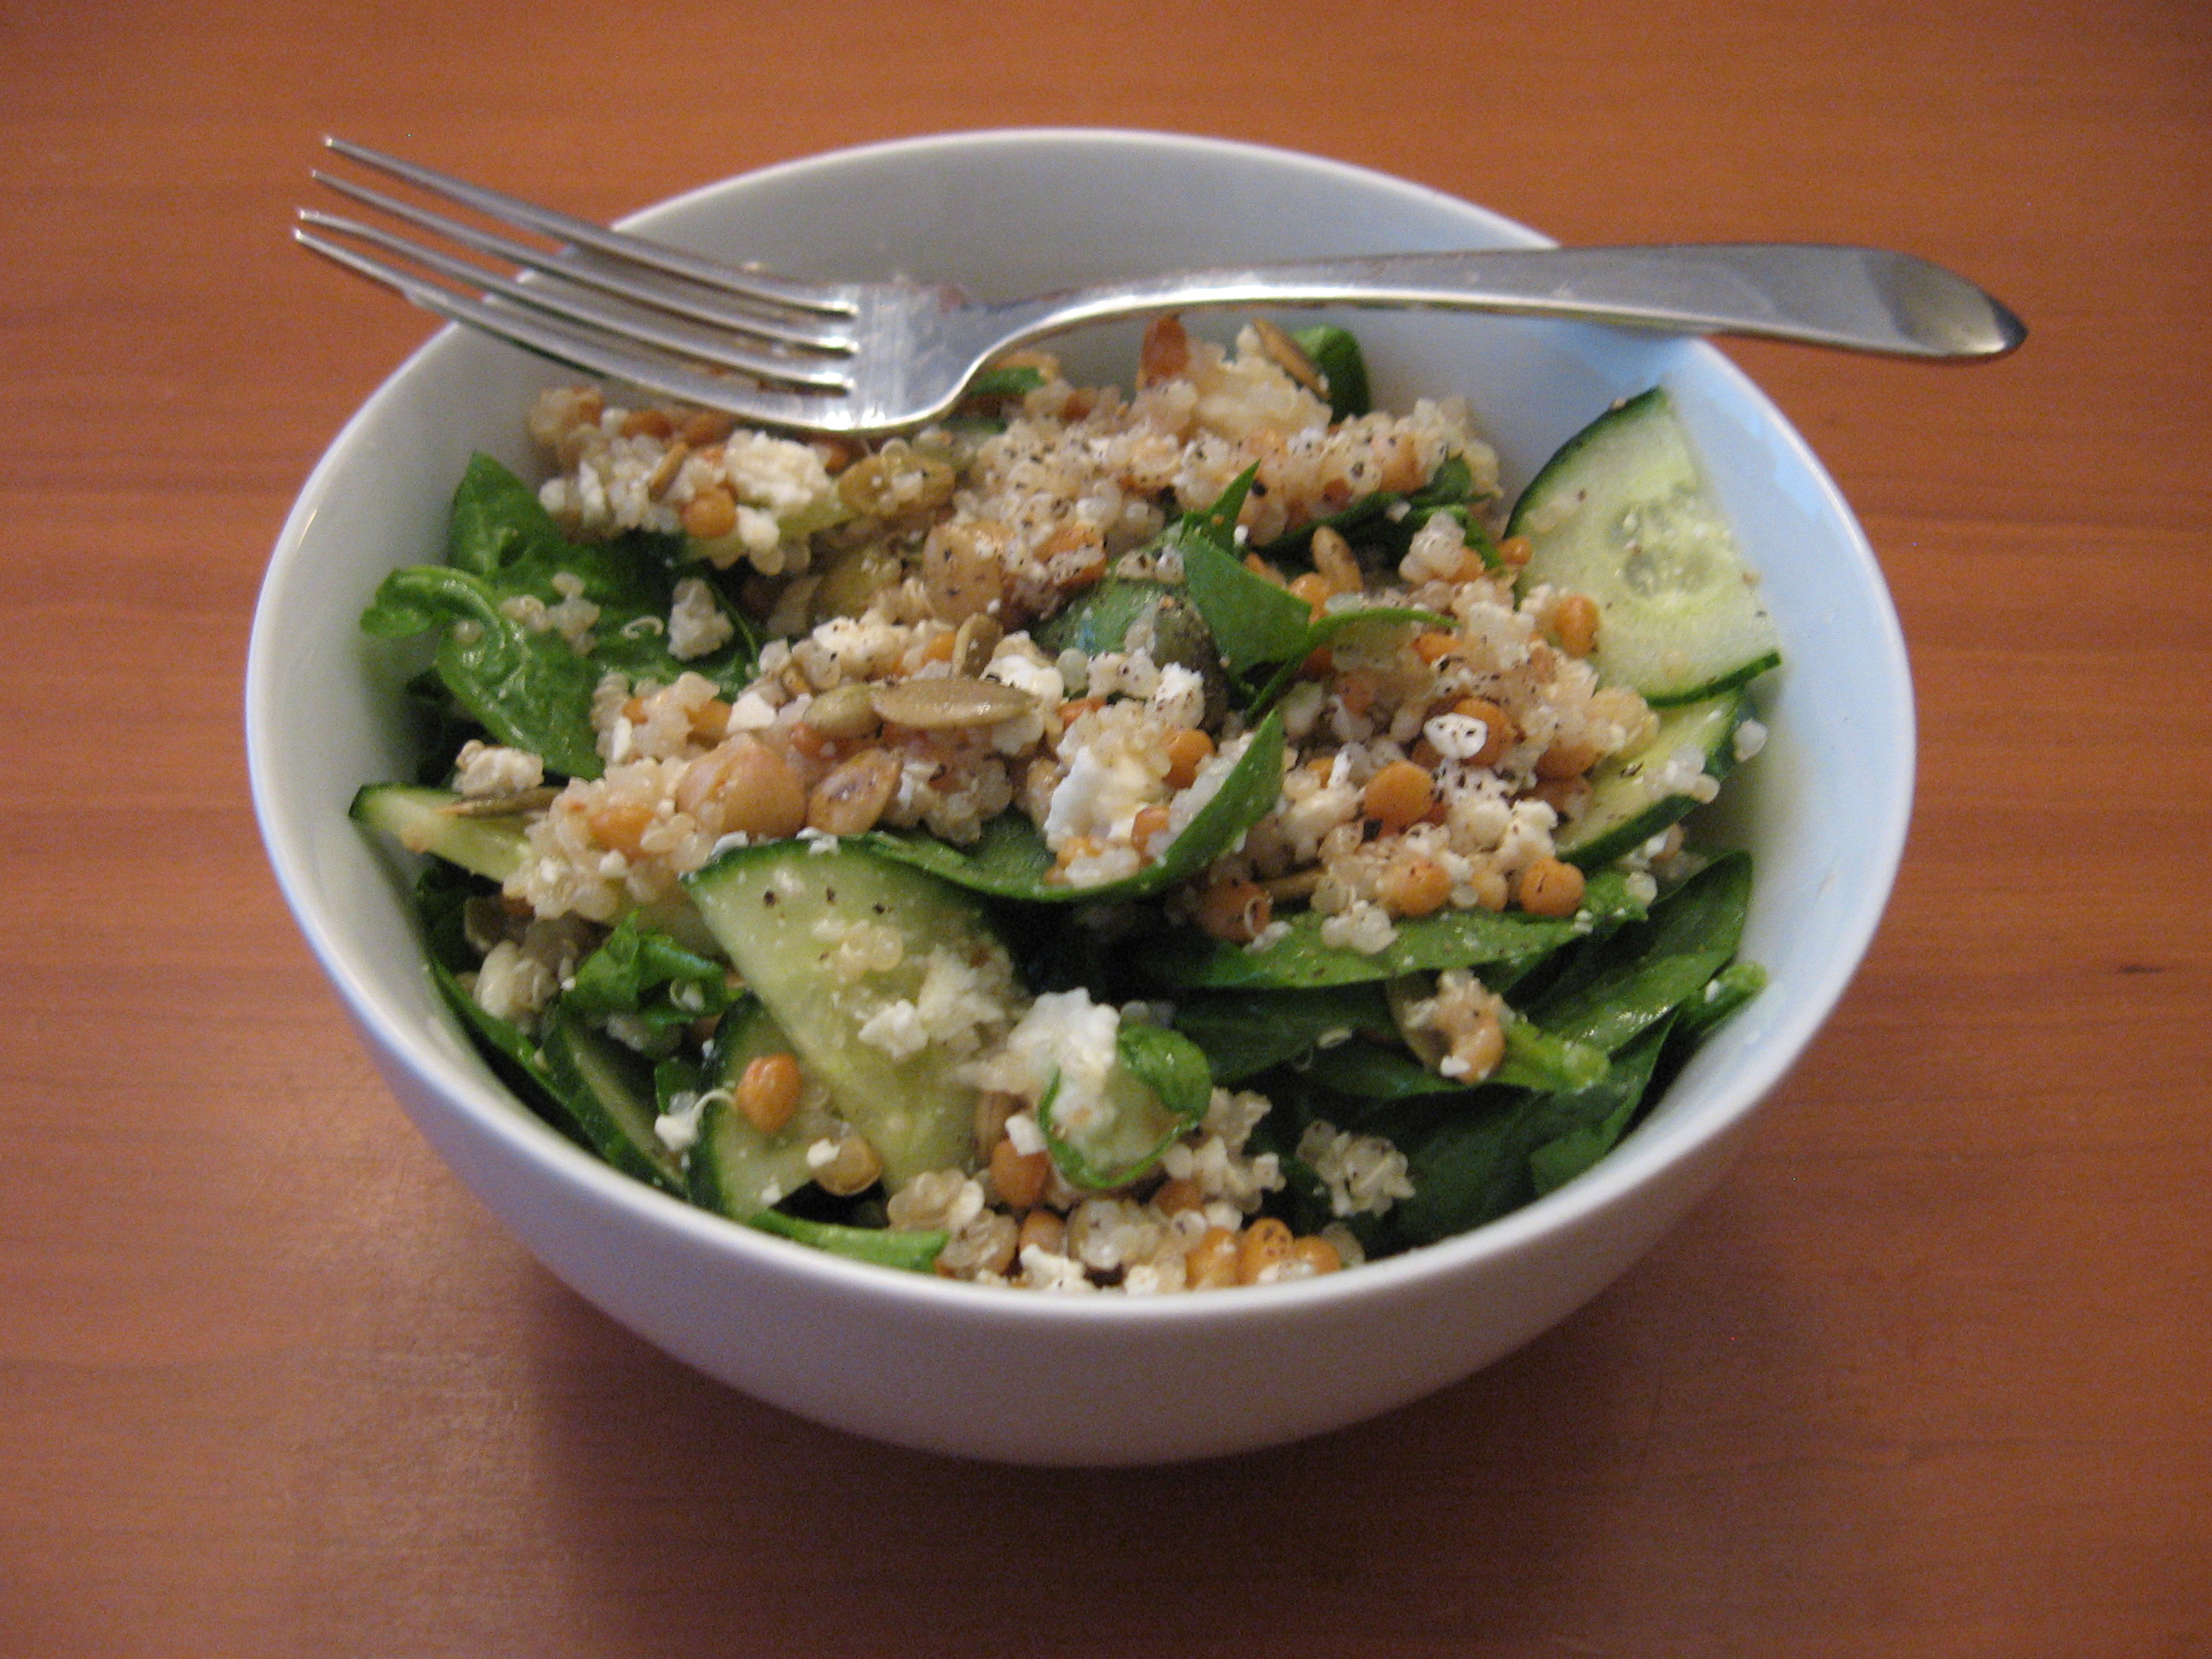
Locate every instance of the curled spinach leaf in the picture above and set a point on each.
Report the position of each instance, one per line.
(647, 976)
(1158, 1086)
(1011, 860)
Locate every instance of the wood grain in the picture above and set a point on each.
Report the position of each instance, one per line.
(1927, 1377)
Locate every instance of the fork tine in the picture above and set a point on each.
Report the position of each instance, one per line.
(806, 332)
(750, 281)
(642, 367)
(811, 374)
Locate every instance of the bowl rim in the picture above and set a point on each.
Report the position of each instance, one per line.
(1642, 1158)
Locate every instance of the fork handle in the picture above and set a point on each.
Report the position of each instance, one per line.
(1858, 298)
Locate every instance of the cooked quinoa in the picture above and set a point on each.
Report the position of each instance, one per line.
(914, 672)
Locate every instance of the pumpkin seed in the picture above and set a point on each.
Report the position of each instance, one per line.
(978, 637)
(500, 807)
(1290, 356)
(847, 712)
(941, 705)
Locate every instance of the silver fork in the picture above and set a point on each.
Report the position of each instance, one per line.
(863, 358)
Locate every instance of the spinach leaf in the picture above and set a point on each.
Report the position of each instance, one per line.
(1606, 1111)
(440, 891)
(1726, 992)
(1136, 1120)
(496, 522)
(1011, 860)
(1473, 1169)
(649, 976)
(1018, 381)
(1169, 1064)
(914, 1252)
(1534, 1059)
(1637, 976)
(1453, 939)
(1244, 1033)
(1123, 613)
(1385, 522)
(1335, 352)
(528, 687)
(1326, 629)
(1254, 622)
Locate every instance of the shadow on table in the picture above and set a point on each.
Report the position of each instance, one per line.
(1530, 1508)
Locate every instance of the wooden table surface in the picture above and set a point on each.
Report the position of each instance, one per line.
(1928, 1376)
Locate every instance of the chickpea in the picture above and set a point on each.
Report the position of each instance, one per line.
(710, 515)
(1566, 760)
(1314, 588)
(1188, 749)
(1236, 911)
(620, 825)
(850, 800)
(759, 794)
(1263, 1251)
(1314, 1255)
(1413, 887)
(852, 1168)
(1165, 352)
(1502, 733)
(767, 1091)
(1398, 795)
(1019, 1178)
(1212, 1263)
(1550, 887)
(1574, 623)
(1045, 1229)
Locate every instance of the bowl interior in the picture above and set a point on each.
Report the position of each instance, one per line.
(1009, 213)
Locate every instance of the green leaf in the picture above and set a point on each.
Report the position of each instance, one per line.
(1169, 1064)
(1450, 939)
(1018, 381)
(1335, 352)
(1011, 860)
(1132, 1128)
(1217, 523)
(1534, 1059)
(1636, 977)
(526, 687)
(496, 522)
(1254, 622)
(1324, 630)
(1244, 1033)
(1473, 1168)
(914, 1251)
(1385, 522)
(1724, 994)
(1604, 1112)
(647, 976)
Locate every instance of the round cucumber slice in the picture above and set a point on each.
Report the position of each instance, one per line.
(1624, 514)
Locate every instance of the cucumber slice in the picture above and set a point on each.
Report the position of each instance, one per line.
(420, 820)
(1624, 514)
(494, 847)
(1634, 797)
(784, 912)
(735, 1170)
(609, 1091)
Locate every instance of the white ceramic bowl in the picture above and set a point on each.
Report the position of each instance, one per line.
(993, 1373)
